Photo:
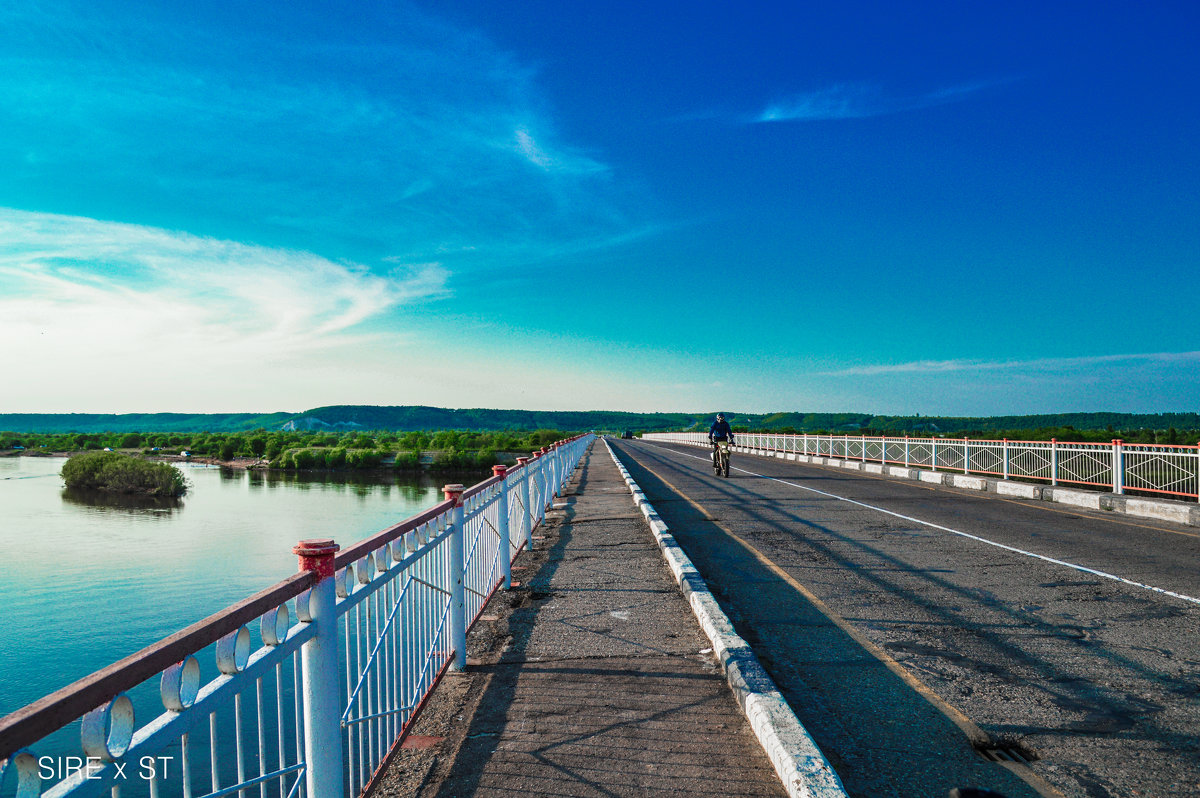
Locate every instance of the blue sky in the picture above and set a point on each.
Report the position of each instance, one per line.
(943, 208)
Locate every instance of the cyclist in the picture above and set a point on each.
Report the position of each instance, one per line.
(719, 431)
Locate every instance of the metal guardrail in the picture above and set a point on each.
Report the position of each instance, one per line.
(319, 677)
(1117, 466)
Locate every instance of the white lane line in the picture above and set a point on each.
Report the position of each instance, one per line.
(931, 525)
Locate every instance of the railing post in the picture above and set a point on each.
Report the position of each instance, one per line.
(502, 525)
(526, 523)
(458, 593)
(539, 466)
(933, 454)
(966, 455)
(864, 448)
(558, 464)
(1006, 458)
(906, 451)
(1054, 461)
(320, 691)
(1118, 466)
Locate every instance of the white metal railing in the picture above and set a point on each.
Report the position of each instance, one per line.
(317, 678)
(1117, 466)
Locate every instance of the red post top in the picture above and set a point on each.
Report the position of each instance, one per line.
(536, 454)
(454, 492)
(1117, 441)
(316, 555)
(499, 470)
(522, 461)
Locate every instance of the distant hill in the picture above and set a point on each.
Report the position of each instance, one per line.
(406, 418)
(418, 417)
(141, 422)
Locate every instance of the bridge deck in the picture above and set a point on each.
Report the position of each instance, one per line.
(903, 644)
(595, 684)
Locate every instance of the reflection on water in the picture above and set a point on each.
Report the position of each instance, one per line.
(86, 579)
(152, 506)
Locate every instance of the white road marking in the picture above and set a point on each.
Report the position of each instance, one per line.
(931, 525)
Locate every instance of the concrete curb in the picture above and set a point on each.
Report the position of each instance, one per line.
(1178, 512)
(801, 766)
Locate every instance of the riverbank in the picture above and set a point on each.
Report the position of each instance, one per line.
(428, 461)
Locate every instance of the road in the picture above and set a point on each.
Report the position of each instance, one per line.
(918, 629)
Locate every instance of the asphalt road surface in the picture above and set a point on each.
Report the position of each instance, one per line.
(923, 632)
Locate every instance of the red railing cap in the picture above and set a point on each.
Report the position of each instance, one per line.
(317, 547)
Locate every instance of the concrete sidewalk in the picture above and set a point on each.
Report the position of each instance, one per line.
(592, 679)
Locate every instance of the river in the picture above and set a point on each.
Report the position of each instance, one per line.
(85, 582)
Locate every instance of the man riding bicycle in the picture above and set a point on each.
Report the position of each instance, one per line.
(720, 432)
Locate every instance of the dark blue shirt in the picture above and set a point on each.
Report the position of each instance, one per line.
(720, 430)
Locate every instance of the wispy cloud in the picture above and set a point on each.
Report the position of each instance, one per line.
(562, 162)
(1061, 364)
(110, 300)
(861, 101)
(382, 131)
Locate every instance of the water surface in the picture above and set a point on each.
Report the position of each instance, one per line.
(85, 581)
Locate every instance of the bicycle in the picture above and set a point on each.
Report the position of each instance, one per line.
(721, 458)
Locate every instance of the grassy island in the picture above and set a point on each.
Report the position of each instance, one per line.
(120, 473)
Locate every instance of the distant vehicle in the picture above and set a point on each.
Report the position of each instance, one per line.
(627, 434)
(18, 448)
(108, 448)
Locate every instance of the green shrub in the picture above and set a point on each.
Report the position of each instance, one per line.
(119, 473)
(363, 458)
(408, 461)
(305, 458)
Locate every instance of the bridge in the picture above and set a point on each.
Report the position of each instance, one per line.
(919, 615)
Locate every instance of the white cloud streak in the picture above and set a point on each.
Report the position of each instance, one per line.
(114, 303)
(562, 161)
(389, 131)
(860, 101)
(1060, 364)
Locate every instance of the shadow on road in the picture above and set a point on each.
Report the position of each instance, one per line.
(882, 733)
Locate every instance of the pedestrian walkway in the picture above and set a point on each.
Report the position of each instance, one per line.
(603, 684)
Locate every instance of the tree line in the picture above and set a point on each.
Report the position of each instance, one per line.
(303, 450)
(1169, 436)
